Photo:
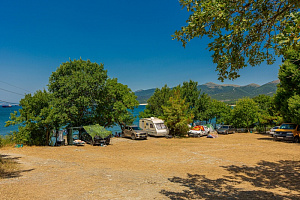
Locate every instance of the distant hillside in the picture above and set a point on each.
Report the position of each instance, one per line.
(226, 92)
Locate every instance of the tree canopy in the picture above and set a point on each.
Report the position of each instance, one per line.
(245, 113)
(80, 93)
(35, 120)
(244, 32)
(288, 90)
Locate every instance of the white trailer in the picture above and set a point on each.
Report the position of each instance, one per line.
(154, 126)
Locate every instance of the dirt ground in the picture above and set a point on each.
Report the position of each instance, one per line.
(235, 166)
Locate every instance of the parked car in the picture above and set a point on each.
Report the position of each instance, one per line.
(226, 129)
(134, 132)
(197, 131)
(288, 132)
(272, 130)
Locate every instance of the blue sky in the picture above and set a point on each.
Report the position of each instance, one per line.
(131, 38)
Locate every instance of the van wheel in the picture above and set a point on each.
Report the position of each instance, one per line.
(133, 136)
(296, 139)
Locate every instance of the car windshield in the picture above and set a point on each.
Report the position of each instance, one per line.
(288, 126)
(224, 126)
(160, 126)
(136, 128)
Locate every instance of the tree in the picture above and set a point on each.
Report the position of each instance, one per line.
(288, 90)
(119, 99)
(78, 89)
(221, 111)
(156, 101)
(177, 115)
(244, 113)
(245, 32)
(36, 119)
(267, 113)
(203, 110)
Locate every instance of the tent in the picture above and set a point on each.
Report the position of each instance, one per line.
(99, 134)
(210, 127)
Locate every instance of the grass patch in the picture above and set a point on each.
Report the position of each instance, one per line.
(6, 141)
(8, 167)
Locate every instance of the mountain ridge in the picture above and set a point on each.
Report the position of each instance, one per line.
(228, 93)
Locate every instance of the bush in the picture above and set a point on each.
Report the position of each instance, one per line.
(6, 140)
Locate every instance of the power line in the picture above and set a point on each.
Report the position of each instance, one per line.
(7, 102)
(15, 86)
(11, 92)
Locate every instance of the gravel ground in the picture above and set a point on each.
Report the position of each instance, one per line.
(235, 166)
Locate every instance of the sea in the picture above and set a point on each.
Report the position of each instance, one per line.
(5, 116)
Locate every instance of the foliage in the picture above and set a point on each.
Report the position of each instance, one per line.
(244, 113)
(177, 115)
(6, 140)
(203, 110)
(221, 111)
(267, 113)
(189, 91)
(199, 103)
(294, 108)
(34, 120)
(156, 101)
(227, 93)
(244, 32)
(97, 130)
(77, 87)
(85, 95)
(118, 101)
(288, 91)
(80, 93)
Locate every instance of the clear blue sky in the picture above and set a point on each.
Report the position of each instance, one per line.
(131, 38)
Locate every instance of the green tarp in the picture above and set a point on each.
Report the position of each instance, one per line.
(98, 130)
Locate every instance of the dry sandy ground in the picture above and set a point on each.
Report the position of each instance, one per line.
(236, 166)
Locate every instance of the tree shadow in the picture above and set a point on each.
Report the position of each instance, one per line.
(282, 175)
(9, 167)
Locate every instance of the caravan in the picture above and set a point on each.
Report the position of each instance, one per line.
(154, 126)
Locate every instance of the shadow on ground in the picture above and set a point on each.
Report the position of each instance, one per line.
(9, 167)
(283, 177)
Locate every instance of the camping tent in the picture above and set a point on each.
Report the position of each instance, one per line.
(210, 127)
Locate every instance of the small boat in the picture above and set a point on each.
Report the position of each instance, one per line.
(6, 106)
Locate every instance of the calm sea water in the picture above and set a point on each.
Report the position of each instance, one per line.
(5, 116)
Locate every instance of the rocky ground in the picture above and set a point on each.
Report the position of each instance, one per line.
(235, 166)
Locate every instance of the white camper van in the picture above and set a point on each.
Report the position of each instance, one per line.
(154, 126)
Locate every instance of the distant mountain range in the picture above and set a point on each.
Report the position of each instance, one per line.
(226, 92)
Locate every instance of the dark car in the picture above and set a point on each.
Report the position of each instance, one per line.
(226, 129)
(134, 132)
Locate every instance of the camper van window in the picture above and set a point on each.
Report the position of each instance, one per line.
(151, 125)
(160, 126)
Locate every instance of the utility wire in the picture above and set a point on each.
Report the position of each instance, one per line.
(7, 102)
(11, 92)
(15, 86)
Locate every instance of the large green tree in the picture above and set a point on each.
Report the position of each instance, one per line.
(78, 88)
(156, 101)
(220, 111)
(288, 90)
(244, 32)
(267, 114)
(84, 95)
(119, 100)
(177, 114)
(244, 114)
